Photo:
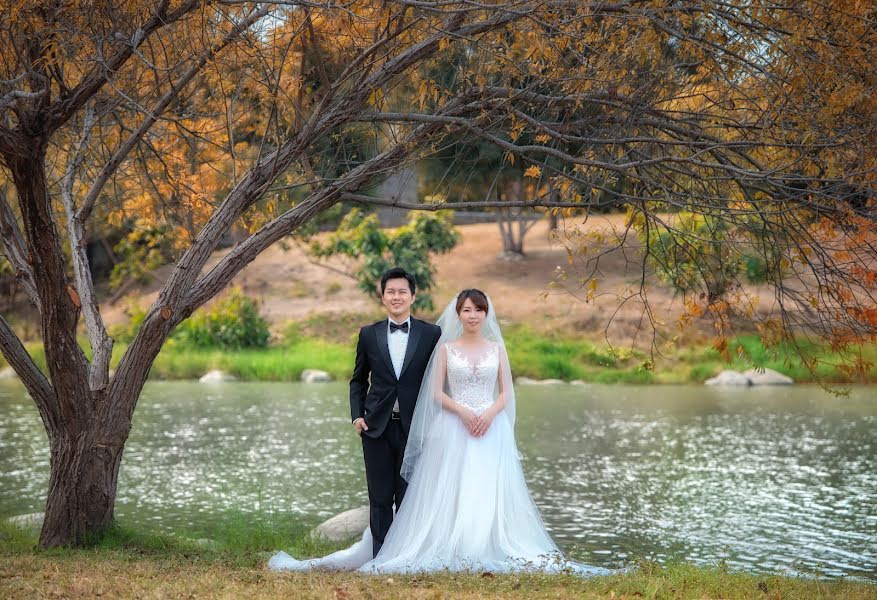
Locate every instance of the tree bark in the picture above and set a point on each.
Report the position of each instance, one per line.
(85, 454)
(508, 218)
(82, 486)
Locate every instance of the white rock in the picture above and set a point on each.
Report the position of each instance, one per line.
(8, 373)
(529, 381)
(217, 376)
(315, 376)
(344, 526)
(578, 382)
(767, 377)
(728, 377)
(28, 521)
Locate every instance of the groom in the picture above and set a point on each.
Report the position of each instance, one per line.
(391, 356)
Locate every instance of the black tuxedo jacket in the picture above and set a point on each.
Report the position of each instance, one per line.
(374, 387)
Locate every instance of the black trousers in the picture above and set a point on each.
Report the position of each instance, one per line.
(383, 463)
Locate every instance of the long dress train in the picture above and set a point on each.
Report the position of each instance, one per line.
(467, 507)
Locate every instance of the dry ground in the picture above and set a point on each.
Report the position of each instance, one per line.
(290, 285)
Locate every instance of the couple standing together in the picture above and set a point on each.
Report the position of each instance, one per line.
(435, 408)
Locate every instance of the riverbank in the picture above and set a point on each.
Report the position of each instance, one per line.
(532, 354)
(130, 565)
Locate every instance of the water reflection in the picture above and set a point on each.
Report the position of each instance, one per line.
(778, 479)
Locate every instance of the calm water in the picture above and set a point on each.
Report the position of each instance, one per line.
(765, 479)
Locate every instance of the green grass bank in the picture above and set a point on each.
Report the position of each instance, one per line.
(127, 564)
(532, 354)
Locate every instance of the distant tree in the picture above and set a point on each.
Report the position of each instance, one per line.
(376, 250)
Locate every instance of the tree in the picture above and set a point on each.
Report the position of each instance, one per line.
(359, 236)
(233, 114)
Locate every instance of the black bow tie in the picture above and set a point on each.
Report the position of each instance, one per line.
(395, 326)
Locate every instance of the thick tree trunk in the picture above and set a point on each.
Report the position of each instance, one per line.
(82, 488)
(85, 453)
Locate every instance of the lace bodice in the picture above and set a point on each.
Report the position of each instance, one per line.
(472, 383)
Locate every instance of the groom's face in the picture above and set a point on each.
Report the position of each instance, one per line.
(397, 299)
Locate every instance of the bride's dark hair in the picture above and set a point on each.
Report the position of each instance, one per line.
(478, 298)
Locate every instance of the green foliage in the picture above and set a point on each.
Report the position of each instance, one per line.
(359, 236)
(561, 357)
(755, 267)
(696, 255)
(232, 323)
(147, 247)
(284, 363)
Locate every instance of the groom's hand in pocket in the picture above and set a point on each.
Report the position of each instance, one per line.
(360, 425)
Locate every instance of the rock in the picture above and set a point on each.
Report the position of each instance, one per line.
(344, 526)
(728, 377)
(529, 381)
(578, 382)
(8, 373)
(217, 376)
(315, 376)
(28, 521)
(767, 377)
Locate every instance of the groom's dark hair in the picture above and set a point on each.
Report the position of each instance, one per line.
(397, 273)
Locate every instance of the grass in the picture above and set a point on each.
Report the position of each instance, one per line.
(129, 564)
(328, 345)
(284, 363)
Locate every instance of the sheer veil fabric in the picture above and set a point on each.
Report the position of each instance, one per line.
(429, 403)
(467, 507)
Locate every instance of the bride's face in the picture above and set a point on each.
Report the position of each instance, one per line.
(471, 316)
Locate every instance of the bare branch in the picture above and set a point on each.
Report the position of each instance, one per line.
(15, 250)
(540, 202)
(101, 343)
(14, 95)
(36, 383)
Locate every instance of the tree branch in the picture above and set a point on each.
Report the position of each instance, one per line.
(535, 203)
(63, 109)
(101, 343)
(14, 95)
(157, 110)
(36, 383)
(15, 250)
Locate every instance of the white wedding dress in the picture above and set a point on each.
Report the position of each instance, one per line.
(467, 506)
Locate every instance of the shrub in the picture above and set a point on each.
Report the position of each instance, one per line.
(234, 322)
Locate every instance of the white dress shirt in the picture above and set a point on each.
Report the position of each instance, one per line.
(398, 343)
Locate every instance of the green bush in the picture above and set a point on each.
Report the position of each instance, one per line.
(756, 268)
(232, 323)
(696, 255)
(360, 236)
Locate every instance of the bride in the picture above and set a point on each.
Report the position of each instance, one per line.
(467, 506)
